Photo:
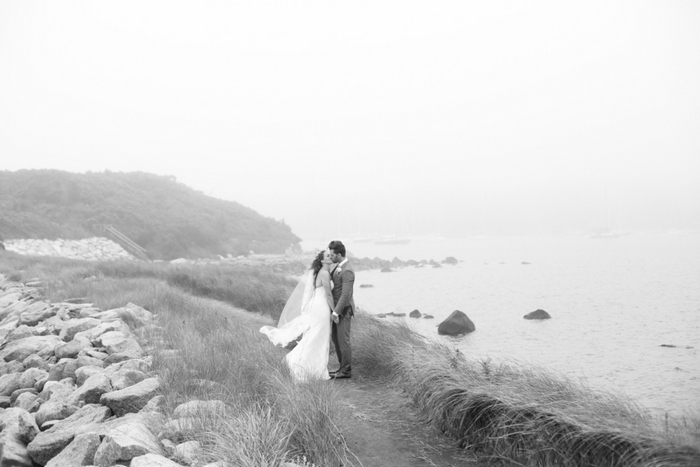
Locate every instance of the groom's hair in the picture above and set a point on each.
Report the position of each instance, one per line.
(337, 247)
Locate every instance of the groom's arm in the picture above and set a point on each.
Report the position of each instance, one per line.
(347, 279)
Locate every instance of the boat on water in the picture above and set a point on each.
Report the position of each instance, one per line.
(605, 234)
(392, 241)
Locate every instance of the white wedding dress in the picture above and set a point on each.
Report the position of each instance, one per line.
(309, 359)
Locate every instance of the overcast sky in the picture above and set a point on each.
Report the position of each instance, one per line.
(371, 117)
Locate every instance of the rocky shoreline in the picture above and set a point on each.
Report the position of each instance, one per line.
(77, 386)
(297, 263)
(88, 249)
(291, 262)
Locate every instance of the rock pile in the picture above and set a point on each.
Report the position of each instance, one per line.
(76, 386)
(91, 249)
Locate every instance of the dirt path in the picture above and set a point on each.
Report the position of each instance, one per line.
(382, 429)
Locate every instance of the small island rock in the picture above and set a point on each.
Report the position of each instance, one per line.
(415, 314)
(537, 314)
(456, 324)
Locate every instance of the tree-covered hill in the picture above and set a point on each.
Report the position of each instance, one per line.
(167, 218)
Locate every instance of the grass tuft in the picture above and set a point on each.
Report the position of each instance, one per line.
(516, 412)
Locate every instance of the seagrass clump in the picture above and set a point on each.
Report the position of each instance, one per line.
(533, 436)
(514, 411)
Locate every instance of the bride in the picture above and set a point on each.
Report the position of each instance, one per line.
(307, 312)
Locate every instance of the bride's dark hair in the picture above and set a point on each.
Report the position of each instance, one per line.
(317, 264)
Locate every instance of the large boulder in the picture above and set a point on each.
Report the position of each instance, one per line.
(188, 452)
(17, 428)
(130, 438)
(35, 313)
(141, 364)
(26, 401)
(456, 324)
(92, 390)
(54, 410)
(20, 332)
(131, 313)
(9, 383)
(15, 309)
(131, 399)
(74, 326)
(7, 326)
(86, 360)
(47, 444)
(7, 299)
(116, 342)
(10, 367)
(36, 345)
(35, 361)
(71, 349)
(84, 372)
(13, 451)
(126, 377)
(19, 422)
(153, 460)
(537, 314)
(80, 451)
(94, 333)
(56, 391)
(30, 376)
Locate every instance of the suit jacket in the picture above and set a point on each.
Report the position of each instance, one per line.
(343, 283)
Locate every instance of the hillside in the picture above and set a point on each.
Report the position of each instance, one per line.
(167, 218)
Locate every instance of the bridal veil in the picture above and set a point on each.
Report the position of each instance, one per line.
(294, 320)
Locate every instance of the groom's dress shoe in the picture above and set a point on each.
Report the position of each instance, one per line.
(341, 375)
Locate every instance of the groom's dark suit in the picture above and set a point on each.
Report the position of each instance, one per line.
(343, 282)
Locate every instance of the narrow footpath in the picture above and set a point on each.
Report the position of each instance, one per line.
(382, 429)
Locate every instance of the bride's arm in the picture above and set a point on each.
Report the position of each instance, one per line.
(326, 281)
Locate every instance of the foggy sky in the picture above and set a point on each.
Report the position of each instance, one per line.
(356, 117)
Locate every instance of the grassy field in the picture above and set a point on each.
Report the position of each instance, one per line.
(506, 413)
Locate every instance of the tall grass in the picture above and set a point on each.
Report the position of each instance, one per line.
(250, 288)
(208, 348)
(515, 412)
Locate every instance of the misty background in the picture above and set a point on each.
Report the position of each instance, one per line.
(360, 118)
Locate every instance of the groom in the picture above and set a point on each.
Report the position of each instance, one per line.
(343, 277)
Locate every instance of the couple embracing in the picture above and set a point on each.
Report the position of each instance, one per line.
(320, 309)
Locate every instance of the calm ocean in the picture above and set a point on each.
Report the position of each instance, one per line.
(614, 302)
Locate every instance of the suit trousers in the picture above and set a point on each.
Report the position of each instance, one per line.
(340, 334)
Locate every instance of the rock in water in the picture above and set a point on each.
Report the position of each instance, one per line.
(537, 314)
(415, 314)
(456, 324)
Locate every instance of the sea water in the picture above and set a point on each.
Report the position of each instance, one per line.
(625, 310)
